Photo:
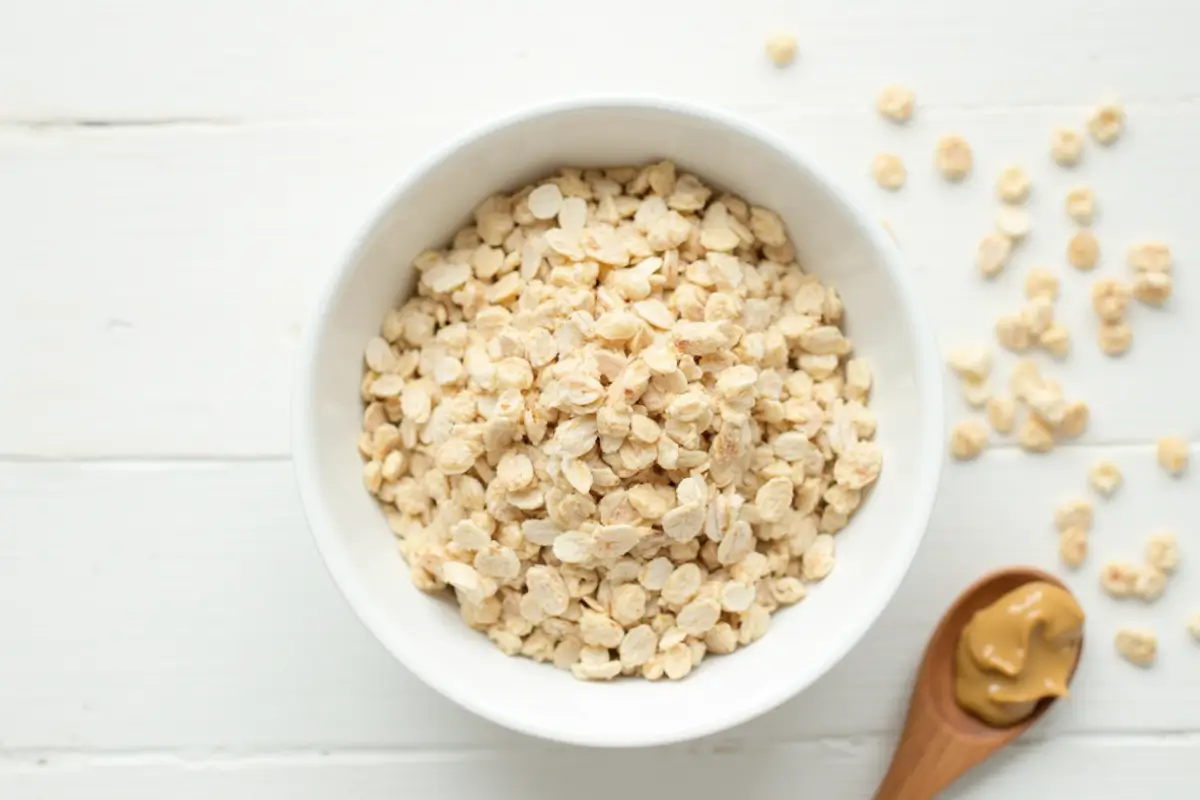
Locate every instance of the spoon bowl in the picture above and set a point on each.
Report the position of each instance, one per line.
(941, 741)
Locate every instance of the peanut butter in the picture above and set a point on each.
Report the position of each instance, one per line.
(1017, 651)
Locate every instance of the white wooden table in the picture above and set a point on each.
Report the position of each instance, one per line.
(177, 178)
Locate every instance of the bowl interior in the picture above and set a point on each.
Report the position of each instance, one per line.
(805, 640)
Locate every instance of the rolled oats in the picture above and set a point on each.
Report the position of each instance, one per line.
(967, 439)
(1013, 184)
(1162, 552)
(1173, 454)
(1115, 337)
(993, 253)
(1001, 412)
(1105, 477)
(1138, 647)
(1119, 579)
(895, 102)
(889, 171)
(953, 157)
(1106, 122)
(1073, 546)
(1013, 222)
(618, 422)
(781, 49)
(1081, 205)
(1066, 146)
(1083, 250)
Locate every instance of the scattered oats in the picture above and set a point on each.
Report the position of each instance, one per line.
(1066, 146)
(1193, 626)
(1081, 205)
(1118, 578)
(1035, 436)
(1013, 184)
(968, 439)
(1105, 477)
(889, 171)
(896, 103)
(1173, 454)
(1149, 257)
(1138, 647)
(1106, 122)
(993, 254)
(1041, 282)
(781, 49)
(1083, 250)
(1001, 411)
(1013, 222)
(1073, 546)
(1075, 419)
(976, 393)
(1115, 338)
(1075, 513)
(1152, 288)
(1056, 340)
(1162, 552)
(953, 157)
(971, 362)
(1110, 298)
(1150, 584)
(1013, 333)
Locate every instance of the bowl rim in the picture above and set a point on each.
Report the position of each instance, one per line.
(339, 565)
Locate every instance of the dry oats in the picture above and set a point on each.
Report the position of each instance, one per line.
(1073, 546)
(1013, 222)
(1066, 146)
(1110, 299)
(1173, 454)
(1081, 205)
(1041, 282)
(1075, 513)
(1115, 338)
(781, 49)
(993, 254)
(1162, 552)
(1152, 288)
(971, 362)
(1119, 579)
(1001, 412)
(618, 422)
(1149, 257)
(967, 439)
(1105, 477)
(1056, 340)
(1193, 626)
(889, 171)
(1013, 333)
(1083, 250)
(1106, 122)
(953, 157)
(1035, 435)
(1138, 647)
(1013, 184)
(895, 102)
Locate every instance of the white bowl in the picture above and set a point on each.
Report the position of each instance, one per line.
(836, 239)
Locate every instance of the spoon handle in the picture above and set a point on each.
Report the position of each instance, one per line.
(929, 758)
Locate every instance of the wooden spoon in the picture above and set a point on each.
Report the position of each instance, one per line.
(940, 741)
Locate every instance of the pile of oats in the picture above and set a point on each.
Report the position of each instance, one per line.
(618, 421)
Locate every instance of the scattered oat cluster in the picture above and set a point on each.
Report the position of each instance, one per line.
(618, 421)
(1049, 416)
(781, 49)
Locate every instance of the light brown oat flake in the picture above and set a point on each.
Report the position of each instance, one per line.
(895, 102)
(1066, 146)
(1115, 338)
(967, 439)
(1173, 454)
(781, 49)
(1106, 122)
(1073, 546)
(889, 171)
(992, 254)
(1041, 282)
(1012, 186)
(1081, 205)
(1001, 412)
(953, 157)
(1083, 250)
(1137, 646)
(1105, 477)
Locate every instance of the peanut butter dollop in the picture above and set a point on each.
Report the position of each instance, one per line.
(1016, 651)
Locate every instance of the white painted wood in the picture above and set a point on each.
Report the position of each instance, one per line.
(1099, 767)
(177, 180)
(159, 277)
(231, 60)
(183, 606)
